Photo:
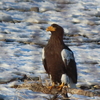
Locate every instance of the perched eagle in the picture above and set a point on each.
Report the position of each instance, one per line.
(58, 59)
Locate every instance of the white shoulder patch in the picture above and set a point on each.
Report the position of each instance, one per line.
(66, 54)
(43, 56)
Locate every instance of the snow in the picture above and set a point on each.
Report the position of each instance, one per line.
(19, 25)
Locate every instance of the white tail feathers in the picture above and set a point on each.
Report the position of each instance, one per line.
(66, 80)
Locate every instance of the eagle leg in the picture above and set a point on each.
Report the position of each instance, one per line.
(60, 86)
(50, 87)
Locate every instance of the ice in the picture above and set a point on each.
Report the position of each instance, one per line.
(23, 35)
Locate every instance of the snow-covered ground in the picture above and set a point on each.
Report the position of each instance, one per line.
(22, 36)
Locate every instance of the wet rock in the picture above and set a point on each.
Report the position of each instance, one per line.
(36, 9)
(9, 40)
(17, 21)
(98, 14)
(19, 9)
(85, 87)
(2, 97)
(32, 78)
(6, 18)
(25, 41)
(96, 86)
(98, 43)
(90, 87)
(91, 62)
(42, 28)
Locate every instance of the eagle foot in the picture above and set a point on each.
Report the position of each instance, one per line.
(50, 87)
(60, 86)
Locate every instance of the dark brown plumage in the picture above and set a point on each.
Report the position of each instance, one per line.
(58, 59)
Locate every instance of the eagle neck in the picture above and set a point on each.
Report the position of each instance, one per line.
(56, 40)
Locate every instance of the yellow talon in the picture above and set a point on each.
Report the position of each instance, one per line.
(50, 87)
(60, 86)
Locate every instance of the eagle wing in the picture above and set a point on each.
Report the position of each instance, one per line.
(70, 65)
(44, 60)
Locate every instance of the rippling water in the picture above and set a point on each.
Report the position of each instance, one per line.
(22, 36)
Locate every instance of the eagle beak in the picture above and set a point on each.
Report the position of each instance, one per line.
(51, 28)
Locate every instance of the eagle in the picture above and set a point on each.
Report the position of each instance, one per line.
(58, 59)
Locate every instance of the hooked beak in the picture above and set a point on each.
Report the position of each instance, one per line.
(50, 28)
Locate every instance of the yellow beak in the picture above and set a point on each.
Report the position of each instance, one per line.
(51, 28)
